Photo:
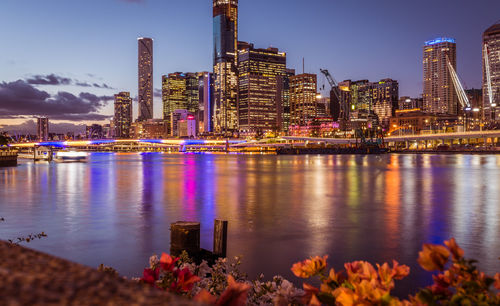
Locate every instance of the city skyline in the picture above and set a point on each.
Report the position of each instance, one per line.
(364, 64)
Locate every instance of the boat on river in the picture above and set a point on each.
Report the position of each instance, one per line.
(71, 156)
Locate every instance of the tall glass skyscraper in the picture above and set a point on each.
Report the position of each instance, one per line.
(225, 31)
(491, 73)
(145, 61)
(439, 92)
(123, 115)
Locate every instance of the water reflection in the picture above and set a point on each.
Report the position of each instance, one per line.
(117, 208)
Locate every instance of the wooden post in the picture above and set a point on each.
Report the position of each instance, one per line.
(185, 236)
(220, 238)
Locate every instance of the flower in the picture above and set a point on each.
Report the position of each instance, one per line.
(345, 297)
(235, 294)
(150, 276)
(433, 257)
(497, 281)
(205, 297)
(185, 280)
(310, 297)
(167, 263)
(360, 270)
(455, 250)
(309, 267)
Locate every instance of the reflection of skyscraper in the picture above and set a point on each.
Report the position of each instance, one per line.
(491, 83)
(439, 92)
(43, 129)
(123, 115)
(225, 27)
(145, 78)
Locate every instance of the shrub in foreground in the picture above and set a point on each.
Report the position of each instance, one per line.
(457, 281)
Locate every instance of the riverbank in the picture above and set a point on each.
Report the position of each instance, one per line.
(8, 159)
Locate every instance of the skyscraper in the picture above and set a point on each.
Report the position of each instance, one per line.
(439, 92)
(285, 99)
(145, 61)
(43, 129)
(205, 94)
(491, 73)
(260, 96)
(173, 95)
(385, 99)
(123, 115)
(303, 91)
(225, 31)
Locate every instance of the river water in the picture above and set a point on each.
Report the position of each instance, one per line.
(116, 209)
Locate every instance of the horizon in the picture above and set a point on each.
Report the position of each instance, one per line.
(98, 61)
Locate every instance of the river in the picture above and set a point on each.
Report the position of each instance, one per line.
(117, 208)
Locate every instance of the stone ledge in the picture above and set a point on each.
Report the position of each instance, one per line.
(29, 277)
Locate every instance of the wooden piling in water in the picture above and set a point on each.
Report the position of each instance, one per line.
(185, 236)
(220, 238)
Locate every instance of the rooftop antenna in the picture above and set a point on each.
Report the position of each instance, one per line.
(303, 65)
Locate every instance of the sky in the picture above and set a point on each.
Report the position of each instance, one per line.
(67, 59)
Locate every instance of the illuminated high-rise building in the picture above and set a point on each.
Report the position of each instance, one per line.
(192, 92)
(303, 104)
(285, 100)
(260, 98)
(145, 61)
(385, 100)
(123, 115)
(225, 31)
(439, 92)
(491, 73)
(205, 107)
(174, 95)
(43, 129)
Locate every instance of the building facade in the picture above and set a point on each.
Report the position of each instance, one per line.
(285, 99)
(205, 105)
(260, 96)
(174, 94)
(145, 62)
(439, 93)
(303, 104)
(123, 115)
(225, 31)
(407, 103)
(43, 129)
(491, 73)
(385, 96)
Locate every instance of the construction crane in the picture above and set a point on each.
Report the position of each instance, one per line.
(462, 96)
(335, 106)
(488, 76)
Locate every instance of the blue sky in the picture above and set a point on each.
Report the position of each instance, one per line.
(94, 41)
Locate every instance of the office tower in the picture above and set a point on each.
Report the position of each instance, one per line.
(43, 129)
(260, 98)
(173, 95)
(205, 95)
(491, 73)
(145, 78)
(385, 95)
(303, 89)
(192, 92)
(285, 100)
(225, 18)
(123, 115)
(439, 92)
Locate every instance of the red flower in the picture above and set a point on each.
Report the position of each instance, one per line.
(167, 263)
(455, 250)
(185, 280)
(150, 276)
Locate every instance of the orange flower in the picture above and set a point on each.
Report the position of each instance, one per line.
(455, 250)
(310, 298)
(345, 297)
(360, 270)
(433, 257)
(497, 281)
(205, 297)
(369, 291)
(235, 293)
(309, 267)
(400, 272)
(167, 263)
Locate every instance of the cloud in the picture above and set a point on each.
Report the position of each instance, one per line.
(50, 79)
(157, 93)
(21, 99)
(133, 1)
(53, 79)
(30, 127)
